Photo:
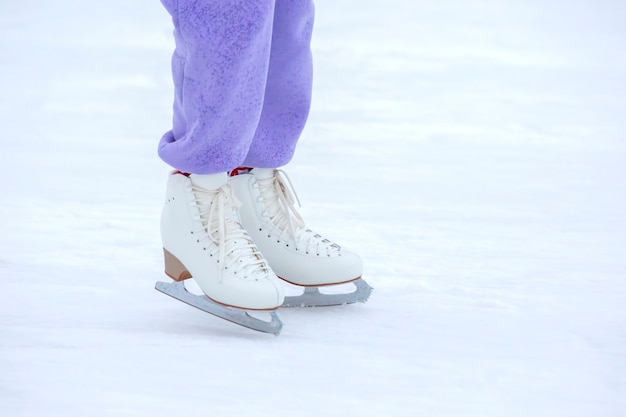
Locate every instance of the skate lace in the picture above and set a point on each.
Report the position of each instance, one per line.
(280, 199)
(235, 250)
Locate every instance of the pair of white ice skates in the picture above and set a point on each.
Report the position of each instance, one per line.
(240, 237)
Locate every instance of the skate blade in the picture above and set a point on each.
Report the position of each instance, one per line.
(312, 297)
(238, 316)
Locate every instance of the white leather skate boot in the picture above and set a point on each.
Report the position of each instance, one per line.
(203, 238)
(295, 253)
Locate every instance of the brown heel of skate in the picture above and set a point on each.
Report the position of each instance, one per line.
(175, 268)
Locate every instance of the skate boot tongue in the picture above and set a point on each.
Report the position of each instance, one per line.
(263, 173)
(209, 182)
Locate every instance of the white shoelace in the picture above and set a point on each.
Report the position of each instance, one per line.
(235, 249)
(280, 201)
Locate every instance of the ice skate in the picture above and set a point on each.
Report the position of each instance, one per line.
(203, 239)
(295, 253)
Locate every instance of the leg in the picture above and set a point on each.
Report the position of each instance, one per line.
(220, 68)
(295, 253)
(288, 89)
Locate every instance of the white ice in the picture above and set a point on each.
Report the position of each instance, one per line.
(472, 151)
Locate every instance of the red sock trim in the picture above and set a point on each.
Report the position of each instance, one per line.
(240, 170)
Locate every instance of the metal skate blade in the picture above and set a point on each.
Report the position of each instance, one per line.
(312, 297)
(238, 316)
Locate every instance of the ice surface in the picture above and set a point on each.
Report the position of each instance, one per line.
(472, 151)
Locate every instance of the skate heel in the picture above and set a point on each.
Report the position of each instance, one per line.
(175, 268)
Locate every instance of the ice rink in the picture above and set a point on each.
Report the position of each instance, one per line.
(473, 152)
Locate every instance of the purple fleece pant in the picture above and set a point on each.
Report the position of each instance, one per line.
(242, 76)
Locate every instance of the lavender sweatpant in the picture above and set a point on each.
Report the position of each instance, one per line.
(242, 74)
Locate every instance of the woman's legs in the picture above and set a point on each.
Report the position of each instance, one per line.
(220, 69)
(242, 72)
